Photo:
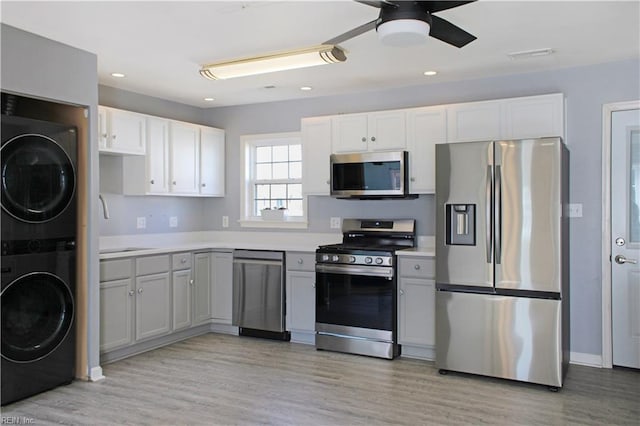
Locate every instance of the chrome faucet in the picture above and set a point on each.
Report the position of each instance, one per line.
(105, 209)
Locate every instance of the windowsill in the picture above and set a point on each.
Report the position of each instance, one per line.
(288, 223)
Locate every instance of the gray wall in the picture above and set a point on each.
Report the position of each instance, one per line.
(586, 90)
(45, 69)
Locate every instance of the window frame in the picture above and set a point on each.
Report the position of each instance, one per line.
(248, 143)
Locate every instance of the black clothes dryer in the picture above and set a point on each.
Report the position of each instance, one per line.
(38, 316)
(39, 161)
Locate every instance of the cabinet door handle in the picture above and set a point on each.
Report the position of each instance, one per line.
(140, 290)
(401, 292)
(300, 261)
(412, 179)
(416, 267)
(174, 182)
(131, 292)
(204, 184)
(364, 139)
(183, 260)
(113, 136)
(104, 135)
(153, 181)
(373, 138)
(191, 282)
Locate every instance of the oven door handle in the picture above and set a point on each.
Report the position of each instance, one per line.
(370, 271)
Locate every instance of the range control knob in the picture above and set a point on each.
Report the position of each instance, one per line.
(352, 259)
(335, 257)
(368, 260)
(325, 257)
(378, 261)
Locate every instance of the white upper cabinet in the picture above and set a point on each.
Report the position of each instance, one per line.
(184, 150)
(425, 128)
(514, 118)
(534, 117)
(121, 132)
(375, 131)
(212, 159)
(474, 121)
(157, 163)
(182, 159)
(316, 150)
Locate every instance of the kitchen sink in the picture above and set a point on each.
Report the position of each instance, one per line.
(123, 249)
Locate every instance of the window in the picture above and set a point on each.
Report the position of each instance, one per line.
(272, 179)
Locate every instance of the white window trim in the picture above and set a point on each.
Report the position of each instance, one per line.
(247, 220)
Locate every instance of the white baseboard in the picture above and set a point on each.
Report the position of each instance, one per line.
(588, 360)
(95, 374)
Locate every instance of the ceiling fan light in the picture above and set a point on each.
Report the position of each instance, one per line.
(281, 61)
(403, 32)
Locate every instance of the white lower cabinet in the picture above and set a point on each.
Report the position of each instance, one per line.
(416, 306)
(201, 288)
(153, 297)
(301, 296)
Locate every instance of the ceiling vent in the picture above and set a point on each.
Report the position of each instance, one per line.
(524, 54)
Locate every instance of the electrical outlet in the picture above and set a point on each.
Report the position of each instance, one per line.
(225, 221)
(173, 222)
(335, 223)
(141, 222)
(575, 210)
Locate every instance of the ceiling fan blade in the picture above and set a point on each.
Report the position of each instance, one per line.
(437, 6)
(445, 31)
(377, 4)
(352, 33)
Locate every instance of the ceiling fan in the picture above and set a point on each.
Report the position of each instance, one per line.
(410, 22)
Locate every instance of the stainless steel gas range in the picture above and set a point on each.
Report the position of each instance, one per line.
(356, 287)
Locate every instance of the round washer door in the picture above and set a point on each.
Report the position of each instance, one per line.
(37, 315)
(38, 179)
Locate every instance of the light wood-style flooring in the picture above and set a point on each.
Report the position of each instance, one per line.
(221, 379)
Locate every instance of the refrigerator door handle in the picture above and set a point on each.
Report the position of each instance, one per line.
(498, 215)
(489, 214)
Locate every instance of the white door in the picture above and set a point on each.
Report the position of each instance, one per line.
(625, 235)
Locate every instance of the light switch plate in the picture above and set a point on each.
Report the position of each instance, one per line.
(575, 210)
(335, 223)
(141, 222)
(173, 222)
(225, 221)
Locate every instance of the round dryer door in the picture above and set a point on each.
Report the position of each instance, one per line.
(37, 315)
(38, 179)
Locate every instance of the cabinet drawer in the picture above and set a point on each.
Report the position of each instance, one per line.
(181, 261)
(419, 267)
(117, 269)
(152, 264)
(301, 261)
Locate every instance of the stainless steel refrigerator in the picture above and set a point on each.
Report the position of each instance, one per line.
(502, 271)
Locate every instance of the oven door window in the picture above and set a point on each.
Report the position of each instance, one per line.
(355, 300)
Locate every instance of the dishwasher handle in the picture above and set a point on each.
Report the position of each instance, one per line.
(258, 262)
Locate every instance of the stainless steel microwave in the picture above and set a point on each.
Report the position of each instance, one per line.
(370, 175)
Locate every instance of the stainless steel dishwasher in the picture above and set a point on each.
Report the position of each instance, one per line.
(259, 294)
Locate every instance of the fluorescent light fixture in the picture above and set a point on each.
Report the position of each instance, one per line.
(280, 61)
(403, 32)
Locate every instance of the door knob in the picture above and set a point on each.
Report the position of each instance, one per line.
(620, 259)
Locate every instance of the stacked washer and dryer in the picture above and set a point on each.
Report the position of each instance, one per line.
(39, 216)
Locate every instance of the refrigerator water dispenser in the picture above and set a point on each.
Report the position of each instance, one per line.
(461, 224)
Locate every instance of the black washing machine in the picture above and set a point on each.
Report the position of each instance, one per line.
(38, 184)
(39, 216)
(38, 310)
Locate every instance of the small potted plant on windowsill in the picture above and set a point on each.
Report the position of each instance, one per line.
(274, 214)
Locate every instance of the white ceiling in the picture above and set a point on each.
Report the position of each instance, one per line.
(160, 45)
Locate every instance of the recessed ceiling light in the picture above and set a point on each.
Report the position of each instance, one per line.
(209, 99)
(430, 73)
(117, 75)
(306, 88)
